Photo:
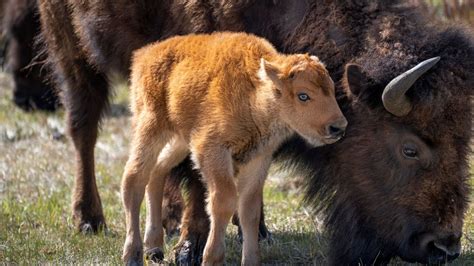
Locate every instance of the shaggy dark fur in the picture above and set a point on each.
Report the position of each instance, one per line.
(379, 203)
(172, 206)
(21, 26)
(394, 186)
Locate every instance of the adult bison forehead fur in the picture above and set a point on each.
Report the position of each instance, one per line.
(396, 186)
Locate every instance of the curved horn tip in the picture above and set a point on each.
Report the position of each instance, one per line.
(431, 61)
(393, 97)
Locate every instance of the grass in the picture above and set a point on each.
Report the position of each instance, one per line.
(36, 177)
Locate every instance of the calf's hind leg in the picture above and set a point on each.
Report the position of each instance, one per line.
(146, 144)
(172, 154)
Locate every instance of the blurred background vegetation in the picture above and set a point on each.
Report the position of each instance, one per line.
(456, 10)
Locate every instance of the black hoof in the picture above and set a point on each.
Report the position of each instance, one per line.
(185, 254)
(155, 255)
(189, 252)
(135, 261)
(172, 233)
(92, 226)
(263, 234)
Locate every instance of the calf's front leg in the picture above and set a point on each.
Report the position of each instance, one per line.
(250, 188)
(216, 167)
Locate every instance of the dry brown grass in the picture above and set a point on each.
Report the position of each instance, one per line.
(453, 10)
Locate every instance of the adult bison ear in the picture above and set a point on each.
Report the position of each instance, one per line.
(354, 80)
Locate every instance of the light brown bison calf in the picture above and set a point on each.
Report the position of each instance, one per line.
(230, 99)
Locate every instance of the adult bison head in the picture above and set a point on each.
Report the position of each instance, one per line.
(396, 185)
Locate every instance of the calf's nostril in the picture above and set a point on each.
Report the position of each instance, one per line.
(335, 131)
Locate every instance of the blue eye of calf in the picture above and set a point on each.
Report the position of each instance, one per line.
(303, 97)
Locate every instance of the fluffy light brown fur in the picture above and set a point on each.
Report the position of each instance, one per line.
(230, 99)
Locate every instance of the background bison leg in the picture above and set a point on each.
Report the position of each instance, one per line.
(263, 232)
(195, 221)
(84, 94)
(22, 27)
(172, 207)
(194, 226)
(84, 105)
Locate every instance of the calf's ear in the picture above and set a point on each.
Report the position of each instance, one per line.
(316, 60)
(355, 80)
(269, 70)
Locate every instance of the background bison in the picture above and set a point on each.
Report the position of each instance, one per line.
(353, 44)
(20, 24)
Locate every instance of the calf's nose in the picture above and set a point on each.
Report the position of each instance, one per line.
(337, 129)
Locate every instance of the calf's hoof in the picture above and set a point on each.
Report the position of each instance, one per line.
(134, 262)
(155, 255)
(132, 254)
(189, 251)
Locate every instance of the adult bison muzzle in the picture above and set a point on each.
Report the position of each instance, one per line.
(396, 185)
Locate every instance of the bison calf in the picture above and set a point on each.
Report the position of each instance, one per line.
(230, 99)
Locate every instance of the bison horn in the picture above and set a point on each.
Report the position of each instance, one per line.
(393, 97)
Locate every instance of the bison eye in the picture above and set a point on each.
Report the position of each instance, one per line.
(303, 97)
(410, 152)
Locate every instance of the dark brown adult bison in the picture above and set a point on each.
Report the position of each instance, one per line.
(395, 186)
(20, 25)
